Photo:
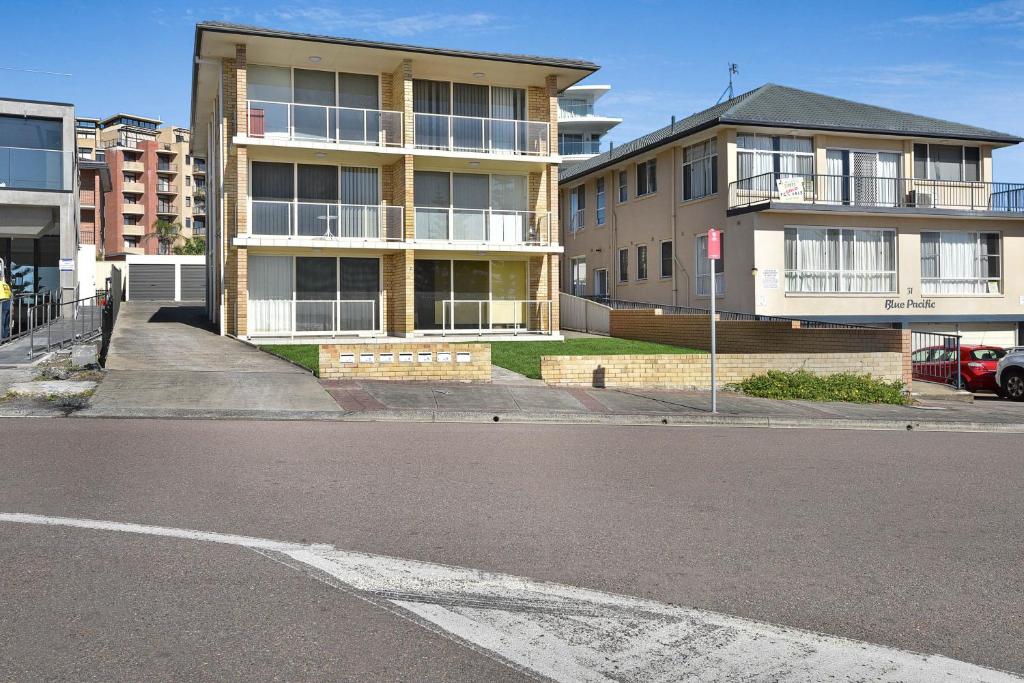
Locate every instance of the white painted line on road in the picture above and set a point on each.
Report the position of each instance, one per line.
(575, 634)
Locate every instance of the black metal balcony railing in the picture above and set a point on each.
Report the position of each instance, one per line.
(875, 191)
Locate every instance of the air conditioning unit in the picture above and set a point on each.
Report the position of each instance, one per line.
(921, 199)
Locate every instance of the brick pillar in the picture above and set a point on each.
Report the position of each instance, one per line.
(403, 175)
(236, 192)
(398, 279)
(541, 269)
(401, 98)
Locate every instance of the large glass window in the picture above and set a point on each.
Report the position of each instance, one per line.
(481, 207)
(600, 201)
(947, 162)
(641, 262)
(317, 210)
(458, 294)
(762, 158)
(578, 276)
(316, 288)
(432, 196)
(954, 262)
(359, 294)
(623, 265)
(577, 205)
(273, 191)
(623, 187)
(840, 260)
(700, 169)
(703, 267)
(30, 153)
(666, 258)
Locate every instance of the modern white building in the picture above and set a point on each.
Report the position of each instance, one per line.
(581, 131)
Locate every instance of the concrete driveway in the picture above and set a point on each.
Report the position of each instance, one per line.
(165, 359)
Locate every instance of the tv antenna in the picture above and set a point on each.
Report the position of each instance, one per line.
(733, 69)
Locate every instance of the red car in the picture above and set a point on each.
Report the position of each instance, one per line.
(977, 366)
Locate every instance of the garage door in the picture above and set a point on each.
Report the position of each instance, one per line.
(193, 283)
(151, 281)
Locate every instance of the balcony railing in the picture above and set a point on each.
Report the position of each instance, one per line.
(328, 220)
(490, 136)
(480, 316)
(492, 226)
(166, 209)
(31, 169)
(166, 188)
(876, 191)
(571, 147)
(87, 198)
(275, 317)
(163, 166)
(575, 110)
(316, 123)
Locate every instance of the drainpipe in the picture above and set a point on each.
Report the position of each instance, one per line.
(672, 227)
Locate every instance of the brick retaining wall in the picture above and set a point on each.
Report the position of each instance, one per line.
(694, 370)
(403, 361)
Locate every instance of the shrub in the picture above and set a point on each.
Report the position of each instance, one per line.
(807, 386)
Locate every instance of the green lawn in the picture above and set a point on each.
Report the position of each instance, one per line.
(519, 356)
(524, 356)
(306, 355)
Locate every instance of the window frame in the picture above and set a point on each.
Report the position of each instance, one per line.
(710, 160)
(622, 273)
(671, 259)
(649, 174)
(623, 180)
(600, 208)
(978, 279)
(595, 272)
(928, 162)
(841, 271)
(580, 194)
(718, 267)
(641, 249)
(775, 152)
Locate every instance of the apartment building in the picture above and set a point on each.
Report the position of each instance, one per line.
(830, 209)
(38, 197)
(373, 190)
(581, 130)
(152, 176)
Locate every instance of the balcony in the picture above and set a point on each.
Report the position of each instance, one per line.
(575, 110)
(488, 226)
(326, 220)
(449, 133)
(490, 316)
(781, 190)
(132, 209)
(316, 123)
(166, 188)
(164, 167)
(133, 187)
(166, 210)
(570, 148)
(133, 229)
(317, 317)
(198, 168)
(87, 199)
(22, 168)
(133, 166)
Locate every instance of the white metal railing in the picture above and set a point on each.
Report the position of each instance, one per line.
(474, 134)
(583, 315)
(495, 226)
(312, 317)
(576, 220)
(477, 316)
(313, 122)
(326, 219)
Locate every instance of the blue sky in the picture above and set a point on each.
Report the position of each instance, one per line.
(962, 61)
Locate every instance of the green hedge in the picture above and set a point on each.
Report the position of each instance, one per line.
(810, 387)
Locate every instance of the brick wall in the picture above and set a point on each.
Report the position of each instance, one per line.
(398, 291)
(743, 336)
(693, 371)
(476, 369)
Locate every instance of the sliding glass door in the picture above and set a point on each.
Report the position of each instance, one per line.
(473, 295)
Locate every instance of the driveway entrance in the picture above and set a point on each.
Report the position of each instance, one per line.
(164, 357)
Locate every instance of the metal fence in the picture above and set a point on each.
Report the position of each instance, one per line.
(723, 315)
(77, 321)
(936, 358)
(583, 315)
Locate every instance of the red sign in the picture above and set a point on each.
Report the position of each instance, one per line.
(714, 244)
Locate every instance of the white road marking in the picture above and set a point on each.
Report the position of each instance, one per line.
(575, 634)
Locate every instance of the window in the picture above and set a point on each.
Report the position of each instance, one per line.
(188, 181)
(577, 205)
(600, 282)
(840, 260)
(954, 262)
(762, 158)
(623, 187)
(188, 201)
(623, 265)
(947, 162)
(641, 262)
(188, 222)
(703, 268)
(600, 201)
(188, 159)
(578, 276)
(131, 242)
(700, 169)
(666, 258)
(647, 177)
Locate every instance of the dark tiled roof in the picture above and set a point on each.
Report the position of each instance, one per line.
(779, 106)
(224, 27)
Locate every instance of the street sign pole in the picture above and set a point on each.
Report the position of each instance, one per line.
(714, 253)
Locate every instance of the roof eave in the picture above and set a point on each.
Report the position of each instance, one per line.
(1002, 139)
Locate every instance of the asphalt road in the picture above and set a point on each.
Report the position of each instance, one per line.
(907, 540)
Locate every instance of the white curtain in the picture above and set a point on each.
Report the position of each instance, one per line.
(835, 181)
(359, 214)
(869, 260)
(812, 263)
(836, 260)
(270, 294)
(949, 263)
(509, 222)
(508, 105)
(888, 190)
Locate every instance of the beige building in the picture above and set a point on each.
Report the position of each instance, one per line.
(373, 190)
(830, 210)
(153, 177)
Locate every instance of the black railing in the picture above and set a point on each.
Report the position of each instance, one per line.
(722, 315)
(875, 191)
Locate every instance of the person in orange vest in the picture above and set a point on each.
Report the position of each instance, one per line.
(5, 303)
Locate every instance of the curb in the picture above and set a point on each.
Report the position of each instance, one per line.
(671, 420)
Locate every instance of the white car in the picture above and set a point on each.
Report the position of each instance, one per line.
(1010, 374)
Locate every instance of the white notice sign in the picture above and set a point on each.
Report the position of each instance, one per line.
(67, 265)
(790, 189)
(770, 278)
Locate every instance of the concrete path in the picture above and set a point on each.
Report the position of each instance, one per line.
(164, 357)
